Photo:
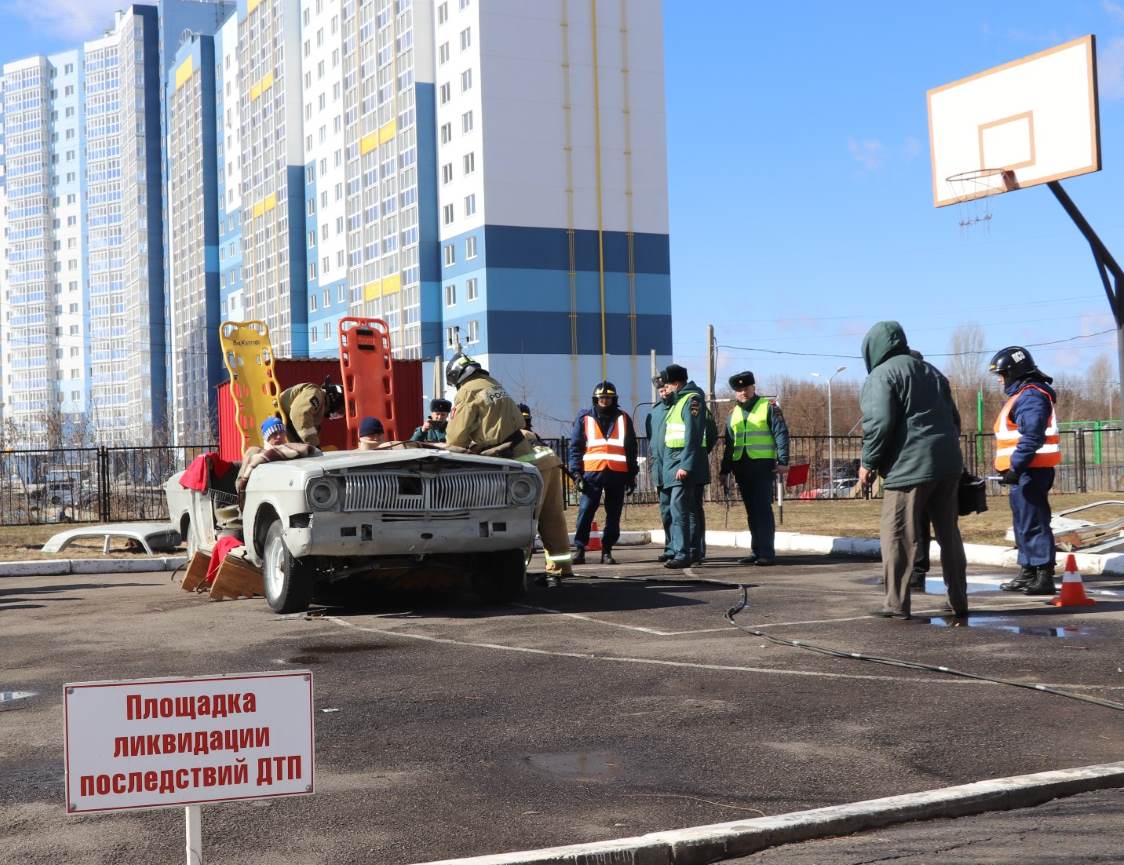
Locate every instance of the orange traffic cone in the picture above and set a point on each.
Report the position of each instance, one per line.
(1073, 590)
(594, 544)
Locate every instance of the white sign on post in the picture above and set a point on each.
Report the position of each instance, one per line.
(156, 743)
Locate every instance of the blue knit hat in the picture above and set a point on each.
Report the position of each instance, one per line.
(271, 426)
(370, 426)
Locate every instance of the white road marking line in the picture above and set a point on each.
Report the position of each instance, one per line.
(639, 628)
(690, 665)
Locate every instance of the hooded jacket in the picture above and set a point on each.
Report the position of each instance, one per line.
(909, 429)
(1031, 414)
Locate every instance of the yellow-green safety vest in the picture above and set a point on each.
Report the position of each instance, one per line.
(675, 431)
(752, 436)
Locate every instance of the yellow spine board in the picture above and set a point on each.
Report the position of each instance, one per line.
(248, 356)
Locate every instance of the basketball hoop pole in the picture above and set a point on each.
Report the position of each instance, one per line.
(1106, 266)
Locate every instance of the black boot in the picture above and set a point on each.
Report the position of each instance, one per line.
(1043, 582)
(1024, 579)
(579, 557)
(607, 556)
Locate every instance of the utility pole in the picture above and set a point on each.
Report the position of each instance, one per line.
(655, 396)
(711, 357)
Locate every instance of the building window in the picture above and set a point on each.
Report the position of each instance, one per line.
(450, 337)
(469, 163)
(466, 38)
(450, 295)
(466, 122)
(473, 332)
(470, 247)
(470, 206)
(446, 133)
(442, 13)
(312, 238)
(466, 80)
(443, 53)
(470, 289)
(446, 172)
(447, 214)
(446, 92)
(450, 255)
(312, 303)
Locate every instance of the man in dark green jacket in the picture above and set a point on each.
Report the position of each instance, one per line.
(684, 465)
(910, 437)
(654, 425)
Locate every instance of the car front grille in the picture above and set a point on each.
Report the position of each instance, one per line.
(450, 491)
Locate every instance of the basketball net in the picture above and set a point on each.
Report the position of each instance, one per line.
(973, 191)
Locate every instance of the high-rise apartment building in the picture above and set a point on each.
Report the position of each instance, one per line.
(83, 332)
(271, 164)
(553, 195)
(482, 173)
(370, 158)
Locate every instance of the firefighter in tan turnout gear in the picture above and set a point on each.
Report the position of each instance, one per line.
(305, 406)
(487, 421)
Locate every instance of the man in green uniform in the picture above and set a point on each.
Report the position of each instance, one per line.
(305, 406)
(486, 420)
(433, 429)
(756, 452)
(684, 465)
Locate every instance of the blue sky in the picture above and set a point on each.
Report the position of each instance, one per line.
(798, 164)
(801, 203)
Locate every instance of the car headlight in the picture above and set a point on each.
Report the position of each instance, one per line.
(323, 494)
(523, 489)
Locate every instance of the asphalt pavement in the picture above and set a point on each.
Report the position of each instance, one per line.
(607, 708)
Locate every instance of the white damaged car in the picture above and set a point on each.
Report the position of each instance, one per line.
(375, 514)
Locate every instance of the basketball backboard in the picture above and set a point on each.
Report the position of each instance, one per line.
(1021, 124)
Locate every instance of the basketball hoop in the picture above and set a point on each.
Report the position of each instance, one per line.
(973, 191)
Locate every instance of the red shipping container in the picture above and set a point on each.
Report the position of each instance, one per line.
(295, 370)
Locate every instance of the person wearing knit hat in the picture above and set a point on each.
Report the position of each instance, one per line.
(371, 433)
(273, 431)
(433, 428)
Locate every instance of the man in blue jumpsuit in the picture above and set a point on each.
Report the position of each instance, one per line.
(756, 452)
(1028, 447)
(684, 465)
(603, 456)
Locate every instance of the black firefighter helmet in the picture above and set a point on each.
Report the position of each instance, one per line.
(460, 368)
(605, 388)
(1012, 362)
(334, 395)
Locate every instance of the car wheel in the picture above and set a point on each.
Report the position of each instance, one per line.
(288, 585)
(192, 541)
(501, 577)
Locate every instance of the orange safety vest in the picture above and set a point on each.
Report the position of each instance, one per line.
(1007, 436)
(604, 453)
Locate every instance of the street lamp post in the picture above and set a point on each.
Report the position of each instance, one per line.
(830, 439)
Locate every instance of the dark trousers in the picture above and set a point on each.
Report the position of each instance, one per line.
(903, 513)
(665, 519)
(612, 484)
(755, 479)
(1030, 514)
(684, 505)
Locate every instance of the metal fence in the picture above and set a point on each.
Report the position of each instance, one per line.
(1092, 461)
(104, 484)
(112, 484)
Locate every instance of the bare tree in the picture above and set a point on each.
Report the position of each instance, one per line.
(966, 369)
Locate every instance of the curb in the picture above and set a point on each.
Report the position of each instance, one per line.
(64, 567)
(1089, 564)
(718, 841)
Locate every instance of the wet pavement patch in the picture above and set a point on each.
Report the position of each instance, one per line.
(1004, 623)
(312, 654)
(16, 699)
(577, 765)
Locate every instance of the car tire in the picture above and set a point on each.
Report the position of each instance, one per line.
(191, 540)
(501, 577)
(288, 585)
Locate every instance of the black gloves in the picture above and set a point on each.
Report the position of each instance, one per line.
(1009, 477)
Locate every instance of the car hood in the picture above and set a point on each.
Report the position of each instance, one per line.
(342, 462)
